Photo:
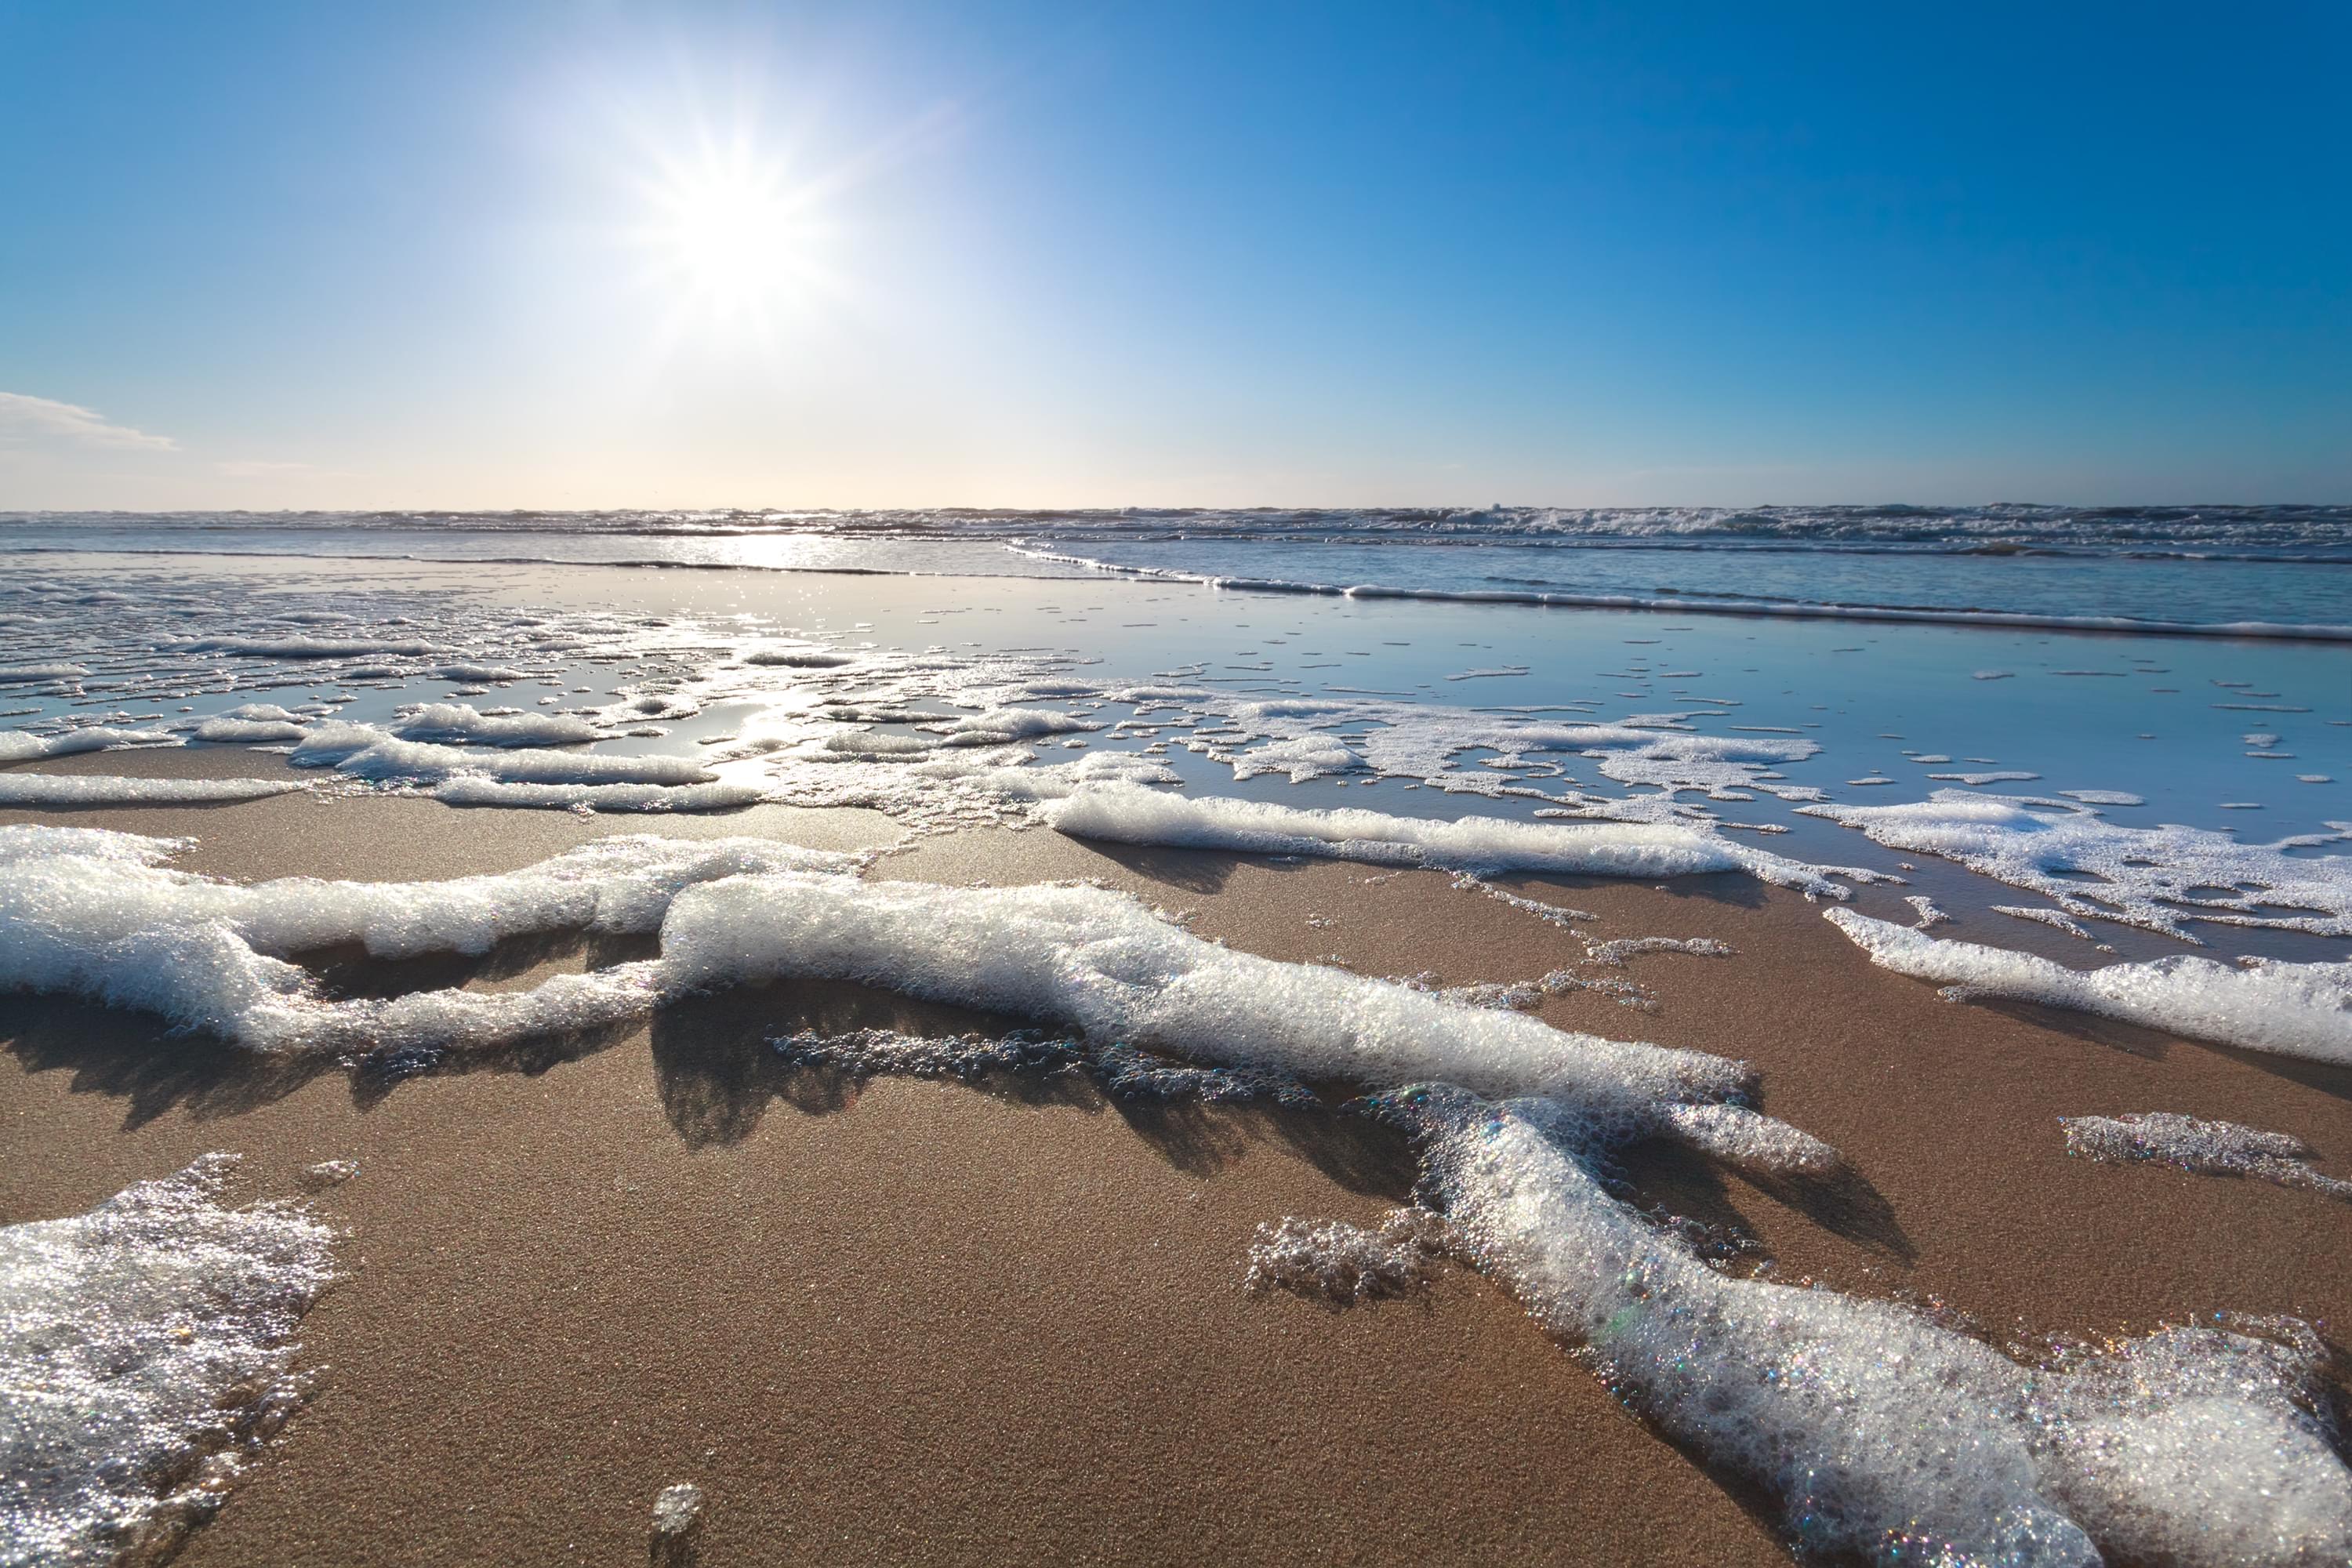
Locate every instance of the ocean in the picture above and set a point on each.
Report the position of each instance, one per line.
(2253, 571)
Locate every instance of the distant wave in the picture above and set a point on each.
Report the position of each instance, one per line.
(2242, 572)
(632, 563)
(2280, 532)
(1723, 605)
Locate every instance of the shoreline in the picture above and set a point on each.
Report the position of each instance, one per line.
(1087, 570)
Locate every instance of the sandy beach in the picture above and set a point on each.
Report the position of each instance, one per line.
(923, 1322)
(795, 783)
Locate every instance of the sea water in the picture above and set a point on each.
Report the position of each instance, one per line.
(2182, 565)
(1443, 706)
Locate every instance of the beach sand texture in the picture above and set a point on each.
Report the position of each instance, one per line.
(919, 1321)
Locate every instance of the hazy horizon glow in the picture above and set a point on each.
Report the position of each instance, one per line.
(571, 255)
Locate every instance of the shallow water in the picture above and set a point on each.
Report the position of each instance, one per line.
(2315, 597)
(2249, 737)
(2274, 567)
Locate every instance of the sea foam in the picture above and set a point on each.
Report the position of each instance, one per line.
(1346, 1264)
(2204, 1148)
(95, 914)
(1481, 844)
(1884, 1435)
(460, 723)
(472, 789)
(308, 647)
(365, 751)
(107, 789)
(2154, 877)
(2294, 1009)
(145, 1349)
(20, 746)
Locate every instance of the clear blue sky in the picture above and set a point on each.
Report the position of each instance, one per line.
(881, 254)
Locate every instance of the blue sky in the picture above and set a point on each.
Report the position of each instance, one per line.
(465, 255)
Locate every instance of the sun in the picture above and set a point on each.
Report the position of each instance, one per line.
(730, 232)
(730, 235)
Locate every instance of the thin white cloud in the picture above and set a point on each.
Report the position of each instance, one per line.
(45, 418)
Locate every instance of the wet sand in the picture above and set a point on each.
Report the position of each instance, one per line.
(930, 1322)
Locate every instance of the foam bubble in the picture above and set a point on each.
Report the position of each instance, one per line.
(1484, 846)
(472, 789)
(224, 730)
(461, 723)
(2294, 1009)
(1558, 915)
(1307, 757)
(20, 746)
(104, 789)
(1614, 953)
(145, 1352)
(1120, 1070)
(254, 724)
(998, 725)
(95, 914)
(2054, 919)
(805, 657)
(307, 647)
(1929, 915)
(2154, 877)
(1101, 962)
(2205, 1148)
(365, 751)
(678, 1521)
(1881, 1434)
(1343, 1264)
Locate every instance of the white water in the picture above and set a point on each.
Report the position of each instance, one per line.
(1483, 846)
(2154, 878)
(365, 751)
(16, 746)
(2200, 1147)
(145, 1349)
(99, 915)
(106, 789)
(1347, 1264)
(2294, 1009)
(1882, 1434)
